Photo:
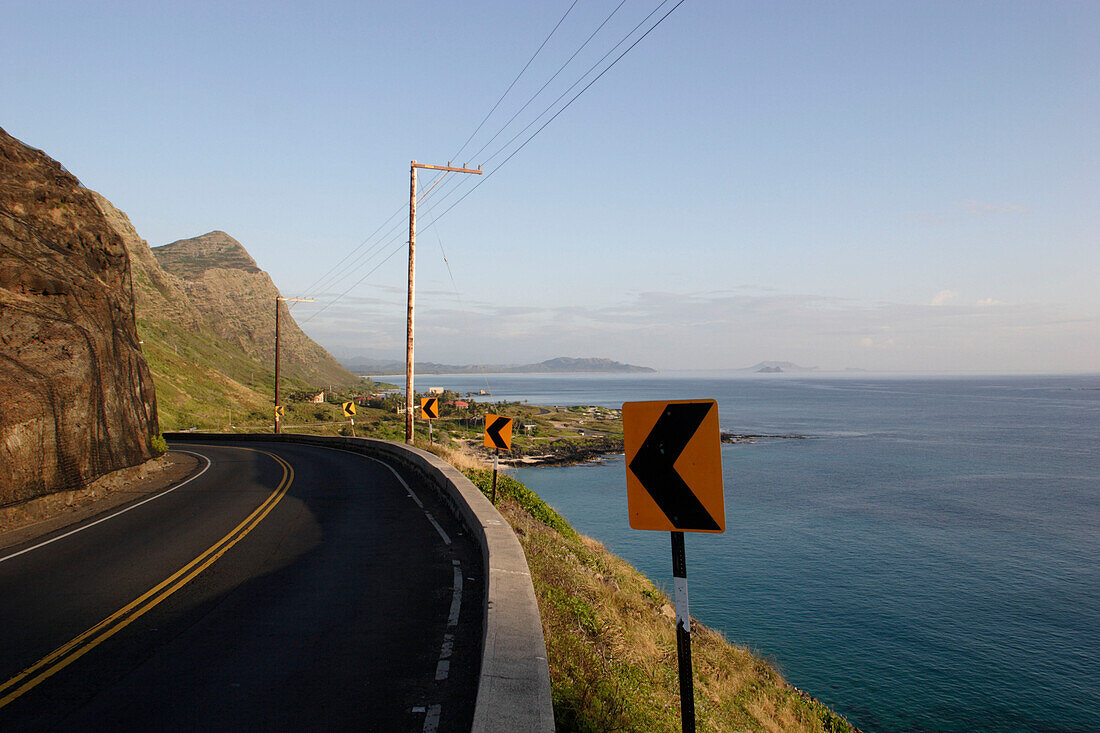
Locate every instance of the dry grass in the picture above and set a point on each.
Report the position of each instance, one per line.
(612, 645)
(457, 454)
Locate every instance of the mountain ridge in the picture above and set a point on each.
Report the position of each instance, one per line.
(207, 328)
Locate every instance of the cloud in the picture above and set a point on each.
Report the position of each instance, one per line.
(724, 329)
(944, 297)
(970, 208)
(973, 207)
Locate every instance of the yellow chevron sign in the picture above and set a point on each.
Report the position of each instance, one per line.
(429, 408)
(498, 432)
(674, 466)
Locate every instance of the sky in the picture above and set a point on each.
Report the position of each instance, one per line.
(889, 186)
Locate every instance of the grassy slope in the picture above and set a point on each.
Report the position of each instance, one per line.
(200, 376)
(612, 646)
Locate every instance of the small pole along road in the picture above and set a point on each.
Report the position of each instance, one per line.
(284, 587)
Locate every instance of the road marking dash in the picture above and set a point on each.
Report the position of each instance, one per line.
(431, 720)
(456, 599)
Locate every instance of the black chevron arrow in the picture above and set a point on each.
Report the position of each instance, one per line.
(493, 431)
(431, 407)
(653, 465)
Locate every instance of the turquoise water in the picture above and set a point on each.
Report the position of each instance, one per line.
(929, 560)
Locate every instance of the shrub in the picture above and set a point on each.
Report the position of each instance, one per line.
(532, 503)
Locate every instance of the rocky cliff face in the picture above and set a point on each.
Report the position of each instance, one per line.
(77, 396)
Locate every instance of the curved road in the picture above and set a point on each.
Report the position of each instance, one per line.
(285, 587)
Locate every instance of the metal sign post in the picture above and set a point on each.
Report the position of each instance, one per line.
(496, 457)
(683, 633)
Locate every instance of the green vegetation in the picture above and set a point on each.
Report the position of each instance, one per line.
(200, 379)
(204, 382)
(508, 489)
(612, 647)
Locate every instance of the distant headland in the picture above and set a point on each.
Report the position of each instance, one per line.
(559, 365)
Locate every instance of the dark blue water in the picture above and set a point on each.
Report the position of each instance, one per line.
(928, 561)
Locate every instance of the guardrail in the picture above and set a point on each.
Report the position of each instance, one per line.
(513, 692)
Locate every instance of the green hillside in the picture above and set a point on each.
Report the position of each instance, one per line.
(206, 319)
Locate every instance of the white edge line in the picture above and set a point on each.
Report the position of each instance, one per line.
(112, 516)
(446, 538)
(412, 494)
(392, 470)
(456, 599)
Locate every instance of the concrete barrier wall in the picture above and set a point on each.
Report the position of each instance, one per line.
(514, 686)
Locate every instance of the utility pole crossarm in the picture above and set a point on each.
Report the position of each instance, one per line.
(475, 171)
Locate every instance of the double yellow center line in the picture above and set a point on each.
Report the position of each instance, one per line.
(65, 655)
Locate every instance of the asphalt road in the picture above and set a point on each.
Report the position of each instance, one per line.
(287, 587)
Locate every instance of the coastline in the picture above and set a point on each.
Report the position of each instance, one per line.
(576, 451)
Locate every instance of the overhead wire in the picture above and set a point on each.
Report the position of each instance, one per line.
(505, 146)
(516, 79)
(462, 308)
(353, 286)
(551, 79)
(364, 258)
(355, 249)
(521, 71)
(534, 96)
(564, 107)
(591, 68)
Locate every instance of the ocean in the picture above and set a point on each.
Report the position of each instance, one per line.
(928, 559)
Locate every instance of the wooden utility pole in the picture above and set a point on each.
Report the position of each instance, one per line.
(288, 300)
(412, 275)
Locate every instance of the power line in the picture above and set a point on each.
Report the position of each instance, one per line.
(555, 76)
(461, 305)
(538, 50)
(367, 256)
(528, 126)
(354, 250)
(524, 144)
(566, 106)
(354, 285)
(502, 96)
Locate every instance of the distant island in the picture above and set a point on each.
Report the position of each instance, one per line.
(560, 365)
(777, 367)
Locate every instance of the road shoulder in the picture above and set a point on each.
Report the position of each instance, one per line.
(46, 514)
